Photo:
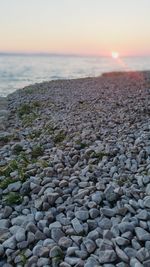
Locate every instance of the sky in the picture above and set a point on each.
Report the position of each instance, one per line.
(92, 27)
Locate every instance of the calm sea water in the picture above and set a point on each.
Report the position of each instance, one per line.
(17, 71)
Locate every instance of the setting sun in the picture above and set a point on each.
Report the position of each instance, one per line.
(115, 55)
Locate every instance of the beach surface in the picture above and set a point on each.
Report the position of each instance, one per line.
(75, 173)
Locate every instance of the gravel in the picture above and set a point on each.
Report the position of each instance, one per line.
(75, 173)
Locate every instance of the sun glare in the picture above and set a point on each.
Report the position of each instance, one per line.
(115, 55)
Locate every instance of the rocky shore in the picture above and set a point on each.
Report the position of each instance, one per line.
(75, 173)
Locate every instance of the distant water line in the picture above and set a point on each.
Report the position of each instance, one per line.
(18, 71)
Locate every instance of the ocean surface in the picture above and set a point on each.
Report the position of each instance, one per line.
(17, 71)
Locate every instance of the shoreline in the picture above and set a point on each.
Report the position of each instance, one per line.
(104, 74)
(75, 173)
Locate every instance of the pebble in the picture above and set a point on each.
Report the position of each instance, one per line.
(10, 243)
(20, 235)
(90, 245)
(109, 193)
(126, 226)
(14, 186)
(82, 215)
(4, 223)
(97, 197)
(142, 235)
(1, 250)
(56, 252)
(65, 242)
(121, 241)
(108, 212)
(7, 212)
(121, 254)
(78, 227)
(135, 263)
(56, 234)
(107, 256)
(72, 260)
(142, 215)
(147, 202)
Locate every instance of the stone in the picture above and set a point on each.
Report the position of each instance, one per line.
(77, 226)
(82, 254)
(135, 244)
(115, 230)
(37, 250)
(30, 237)
(142, 235)
(82, 215)
(49, 242)
(90, 245)
(22, 244)
(3, 264)
(147, 202)
(108, 212)
(147, 245)
(42, 224)
(93, 235)
(122, 264)
(4, 223)
(142, 215)
(1, 250)
(64, 264)
(130, 252)
(4, 234)
(72, 260)
(121, 241)
(94, 213)
(65, 242)
(121, 254)
(56, 234)
(43, 262)
(7, 212)
(107, 256)
(135, 263)
(104, 244)
(20, 220)
(71, 250)
(20, 235)
(51, 197)
(97, 197)
(39, 216)
(107, 234)
(39, 235)
(14, 186)
(142, 254)
(125, 227)
(109, 193)
(32, 261)
(105, 224)
(146, 179)
(128, 235)
(31, 227)
(10, 243)
(147, 190)
(55, 225)
(146, 263)
(91, 262)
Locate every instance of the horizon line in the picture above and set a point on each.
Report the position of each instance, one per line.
(29, 53)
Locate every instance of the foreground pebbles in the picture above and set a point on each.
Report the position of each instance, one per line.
(75, 174)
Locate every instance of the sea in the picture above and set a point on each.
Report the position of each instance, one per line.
(20, 70)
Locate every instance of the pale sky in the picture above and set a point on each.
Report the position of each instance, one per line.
(75, 26)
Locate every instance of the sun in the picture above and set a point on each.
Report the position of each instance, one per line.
(115, 54)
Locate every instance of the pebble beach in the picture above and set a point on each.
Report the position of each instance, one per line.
(75, 173)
